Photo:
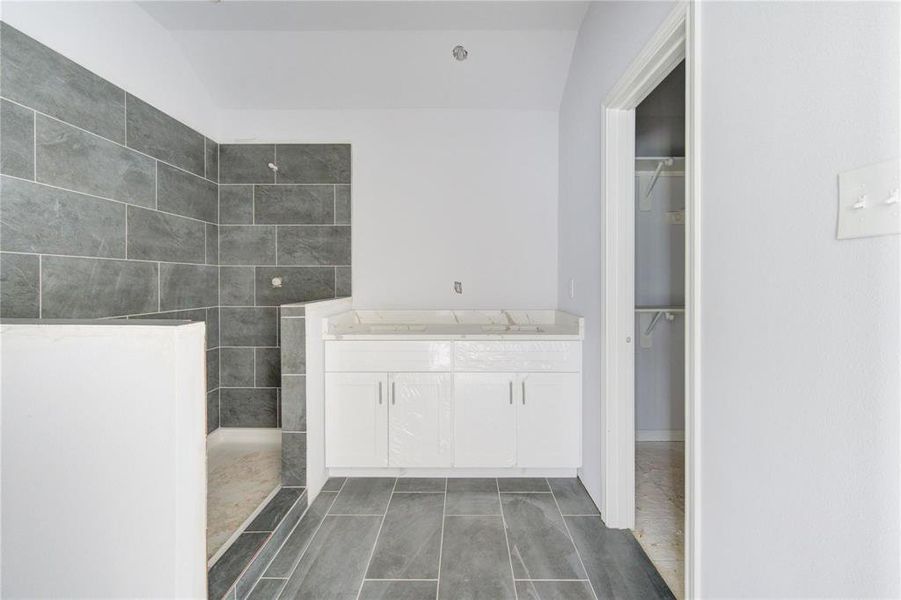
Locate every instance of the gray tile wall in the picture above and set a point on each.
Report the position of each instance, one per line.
(292, 224)
(108, 207)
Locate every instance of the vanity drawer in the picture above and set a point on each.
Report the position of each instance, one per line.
(533, 355)
(385, 356)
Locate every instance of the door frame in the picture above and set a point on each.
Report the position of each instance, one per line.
(676, 39)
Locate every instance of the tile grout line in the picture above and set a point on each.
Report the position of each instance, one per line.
(571, 540)
(375, 543)
(441, 543)
(506, 537)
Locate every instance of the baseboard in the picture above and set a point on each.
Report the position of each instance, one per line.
(244, 435)
(449, 472)
(660, 435)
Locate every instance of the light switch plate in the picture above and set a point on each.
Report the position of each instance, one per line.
(869, 202)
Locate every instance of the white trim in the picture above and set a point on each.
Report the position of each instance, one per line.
(659, 435)
(448, 472)
(243, 435)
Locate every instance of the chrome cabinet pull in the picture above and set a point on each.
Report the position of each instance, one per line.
(523, 393)
(380, 392)
(393, 393)
(511, 392)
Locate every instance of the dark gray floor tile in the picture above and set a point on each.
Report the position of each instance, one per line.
(342, 205)
(42, 219)
(616, 564)
(154, 235)
(246, 163)
(267, 589)
(247, 407)
(237, 367)
(17, 133)
(313, 163)
(225, 572)
(540, 546)
(70, 158)
(236, 285)
(294, 458)
(342, 282)
(235, 204)
(211, 160)
(554, 590)
(299, 284)
(410, 540)
(294, 400)
(212, 411)
(294, 354)
(307, 245)
(267, 367)
(247, 244)
(292, 550)
(186, 194)
(276, 510)
(364, 496)
(333, 484)
(475, 563)
(333, 565)
(399, 590)
(420, 484)
(19, 286)
(188, 286)
(155, 133)
(212, 244)
(472, 496)
(248, 326)
(294, 204)
(36, 76)
(522, 484)
(572, 497)
(212, 369)
(85, 288)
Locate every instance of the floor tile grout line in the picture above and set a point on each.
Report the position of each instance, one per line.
(312, 537)
(303, 497)
(441, 543)
(507, 538)
(572, 541)
(375, 543)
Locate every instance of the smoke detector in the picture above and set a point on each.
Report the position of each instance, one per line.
(460, 53)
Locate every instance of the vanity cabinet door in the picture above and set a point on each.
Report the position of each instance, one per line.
(484, 420)
(356, 420)
(548, 420)
(420, 430)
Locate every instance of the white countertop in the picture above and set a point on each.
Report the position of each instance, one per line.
(454, 325)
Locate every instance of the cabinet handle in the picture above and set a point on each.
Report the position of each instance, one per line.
(523, 393)
(511, 392)
(393, 394)
(380, 392)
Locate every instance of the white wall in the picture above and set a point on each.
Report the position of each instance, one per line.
(123, 44)
(438, 196)
(611, 36)
(800, 339)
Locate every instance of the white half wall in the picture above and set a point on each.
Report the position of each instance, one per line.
(439, 196)
(611, 36)
(800, 341)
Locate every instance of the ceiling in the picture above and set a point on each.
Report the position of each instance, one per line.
(260, 54)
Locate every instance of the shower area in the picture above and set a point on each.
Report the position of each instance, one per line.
(113, 210)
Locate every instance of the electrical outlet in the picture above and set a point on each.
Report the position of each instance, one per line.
(458, 287)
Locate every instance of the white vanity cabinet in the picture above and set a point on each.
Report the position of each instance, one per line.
(356, 419)
(548, 420)
(420, 429)
(484, 420)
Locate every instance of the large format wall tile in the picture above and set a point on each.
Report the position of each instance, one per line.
(212, 409)
(309, 245)
(294, 403)
(342, 205)
(236, 286)
(248, 326)
(212, 373)
(247, 407)
(155, 133)
(36, 76)
(235, 204)
(294, 204)
(73, 159)
(211, 160)
(188, 286)
(299, 284)
(212, 244)
(84, 288)
(41, 219)
(313, 163)
(246, 163)
(188, 195)
(246, 245)
(294, 359)
(17, 133)
(343, 286)
(19, 286)
(266, 367)
(157, 236)
(237, 367)
(294, 458)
